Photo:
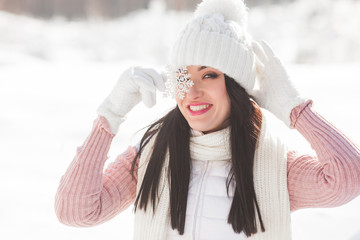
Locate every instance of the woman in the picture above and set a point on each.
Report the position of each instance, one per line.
(212, 168)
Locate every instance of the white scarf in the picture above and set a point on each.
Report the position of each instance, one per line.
(269, 180)
(211, 146)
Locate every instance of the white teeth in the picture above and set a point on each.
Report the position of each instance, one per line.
(199, 107)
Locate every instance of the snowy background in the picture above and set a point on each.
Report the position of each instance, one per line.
(54, 74)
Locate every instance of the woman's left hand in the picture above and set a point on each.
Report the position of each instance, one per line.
(276, 91)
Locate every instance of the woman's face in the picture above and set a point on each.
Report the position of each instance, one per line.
(206, 106)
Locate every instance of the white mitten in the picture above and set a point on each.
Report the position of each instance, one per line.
(134, 85)
(276, 91)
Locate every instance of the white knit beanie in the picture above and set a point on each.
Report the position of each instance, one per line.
(217, 38)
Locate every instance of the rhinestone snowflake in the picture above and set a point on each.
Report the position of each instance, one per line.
(178, 83)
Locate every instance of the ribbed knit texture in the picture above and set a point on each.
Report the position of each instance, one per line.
(270, 187)
(208, 202)
(217, 37)
(147, 224)
(270, 180)
(88, 196)
(219, 51)
(213, 146)
(270, 184)
(331, 178)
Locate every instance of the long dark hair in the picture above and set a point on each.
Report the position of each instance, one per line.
(173, 134)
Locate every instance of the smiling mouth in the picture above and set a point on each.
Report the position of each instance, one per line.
(199, 109)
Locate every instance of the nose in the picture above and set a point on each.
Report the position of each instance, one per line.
(195, 91)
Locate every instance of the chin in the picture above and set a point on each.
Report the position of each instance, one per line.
(208, 128)
(196, 127)
(200, 128)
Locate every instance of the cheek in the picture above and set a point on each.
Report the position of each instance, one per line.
(225, 105)
(224, 101)
(221, 94)
(179, 102)
(180, 105)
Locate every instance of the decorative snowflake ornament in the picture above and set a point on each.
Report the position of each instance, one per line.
(178, 83)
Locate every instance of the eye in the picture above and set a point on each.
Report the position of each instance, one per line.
(211, 75)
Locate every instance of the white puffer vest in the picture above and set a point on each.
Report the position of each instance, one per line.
(208, 204)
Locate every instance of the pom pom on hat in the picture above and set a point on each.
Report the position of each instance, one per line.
(217, 38)
(234, 10)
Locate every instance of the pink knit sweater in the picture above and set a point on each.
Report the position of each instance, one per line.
(88, 195)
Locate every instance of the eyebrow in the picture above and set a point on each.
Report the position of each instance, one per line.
(202, 67)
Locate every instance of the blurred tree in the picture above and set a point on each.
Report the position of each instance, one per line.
(252, 3)
(45, 8)
(101, 8)
(73, 8)
(114, 8)
(11, 6)
(181, 5)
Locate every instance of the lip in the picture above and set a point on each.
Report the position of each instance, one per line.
(197, 104)
(200, 112)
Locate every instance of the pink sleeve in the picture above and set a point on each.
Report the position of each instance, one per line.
(332, 177)
(88, 195)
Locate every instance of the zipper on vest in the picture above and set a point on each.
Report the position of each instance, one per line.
(198, 195)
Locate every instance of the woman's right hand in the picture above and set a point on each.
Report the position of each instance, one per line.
(134, 85)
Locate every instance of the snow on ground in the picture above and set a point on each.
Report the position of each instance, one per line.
(54, 74)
